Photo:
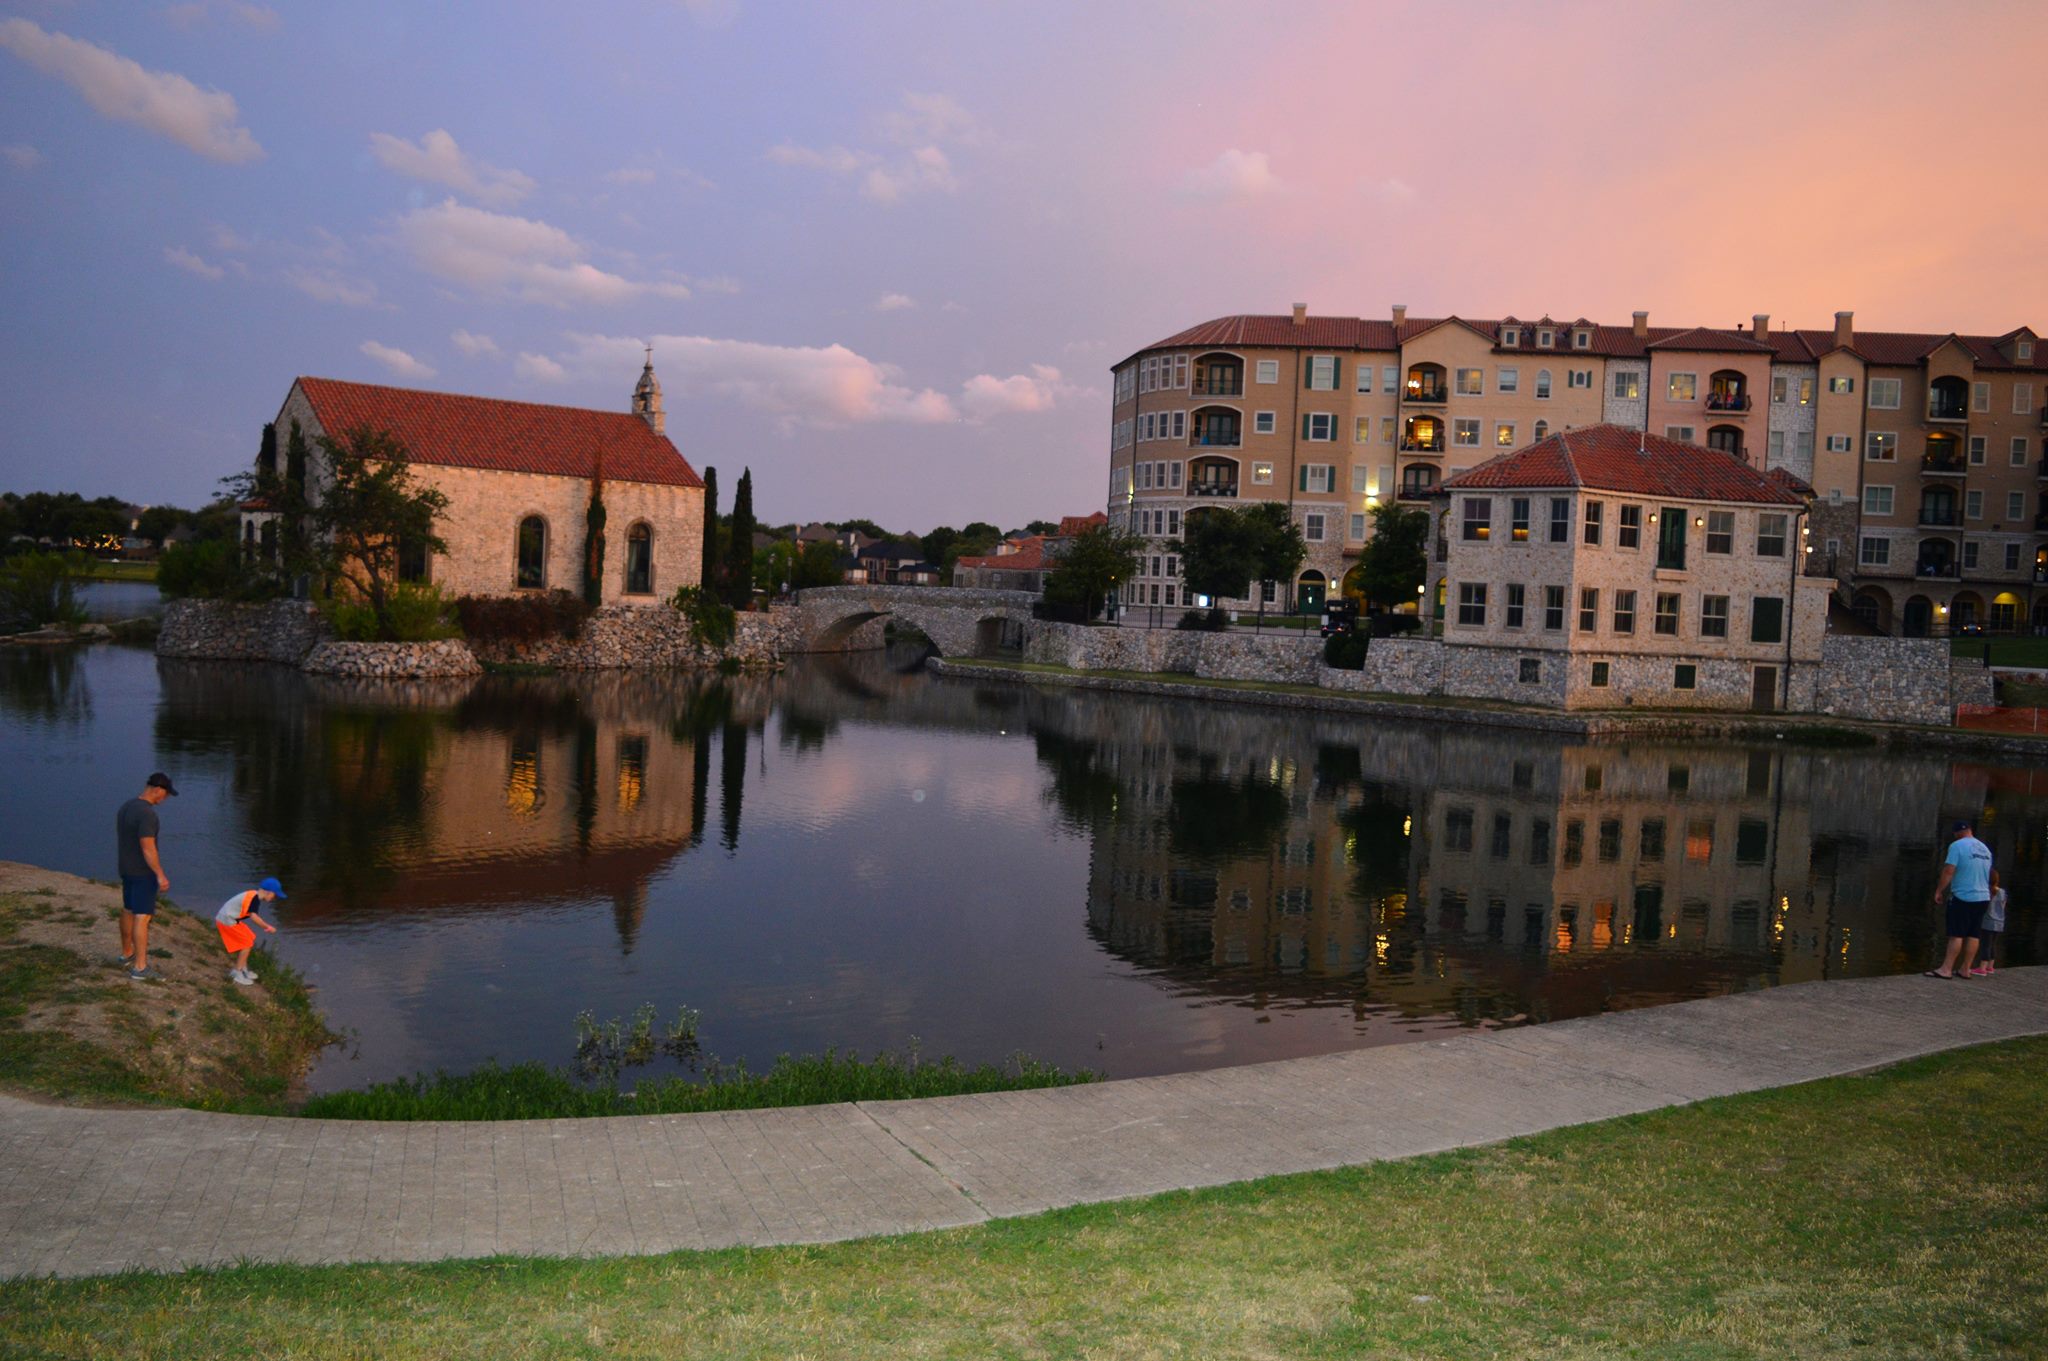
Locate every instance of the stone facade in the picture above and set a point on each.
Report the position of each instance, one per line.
(959, 621)
(1617, 407)
(1794, 402)
(392, 661)
(629, 637)
(1901, 680)
(279, 631)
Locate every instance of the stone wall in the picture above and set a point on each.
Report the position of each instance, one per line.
(834, 618)
(628, 636)
(392, 661)
(1393, 666)
(277, 631)
(1900, 680)
(1216, 656)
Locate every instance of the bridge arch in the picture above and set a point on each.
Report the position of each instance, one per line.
(959, 622)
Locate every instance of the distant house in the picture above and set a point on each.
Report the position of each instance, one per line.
(518, 477)
(1021, 563)
(885, 559)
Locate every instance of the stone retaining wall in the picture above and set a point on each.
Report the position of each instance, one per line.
(656, 638)
(1216, 656)
(393, 661)
(277, 631)
(1898, 680)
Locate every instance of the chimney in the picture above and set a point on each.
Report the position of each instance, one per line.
(1642, 326)
(1845, 328)
(1301, 314)
(1760, 325)
(1400, 315)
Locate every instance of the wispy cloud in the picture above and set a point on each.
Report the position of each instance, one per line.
(497, 255)
(396, 360)
(1042, 389)
(326, 285)
(192, 264)
(538, 367)
(799, 385)
(1233, 175)
(919, 165)
(895, 302)
(472, 344)
(1390, 192)
(21, 156)
(436, 159)
(204, 121)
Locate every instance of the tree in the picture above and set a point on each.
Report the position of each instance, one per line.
(817, 564)
(367, 510)
(867, 527)
(707, 576)
(981, 529)
(1218, 553)
(1042, 527)
(159, 522)
(1091, 565)
(593, 539)
(977, 540)
(1394, 564)
(935, 544)
(739, 548)
(1277, 545)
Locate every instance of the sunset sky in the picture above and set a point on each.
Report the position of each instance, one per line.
(885, 253)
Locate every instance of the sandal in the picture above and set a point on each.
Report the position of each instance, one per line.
(1936, 973)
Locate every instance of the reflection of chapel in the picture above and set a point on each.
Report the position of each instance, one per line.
(519, 477)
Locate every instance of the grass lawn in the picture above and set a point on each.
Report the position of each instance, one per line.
(2004, 651)
(97, 570)
(1892, 1215)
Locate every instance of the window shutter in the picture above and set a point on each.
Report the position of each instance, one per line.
(1304, 477)
(1337, 374)
(1304, 425)
(1308, 370)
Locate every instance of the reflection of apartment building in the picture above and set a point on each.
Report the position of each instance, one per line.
(1336, 415)
(1604, 566)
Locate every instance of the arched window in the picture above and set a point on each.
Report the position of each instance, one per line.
(1542, 429)
(640, 560)
(533, 553)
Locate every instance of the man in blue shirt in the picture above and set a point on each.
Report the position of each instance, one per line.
(1966, 884)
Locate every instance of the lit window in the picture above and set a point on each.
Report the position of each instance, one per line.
(1504, 435)
(1471, 382)
(1682, 387)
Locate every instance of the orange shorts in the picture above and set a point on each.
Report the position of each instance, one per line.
(236, 936)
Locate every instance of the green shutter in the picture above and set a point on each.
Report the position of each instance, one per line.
(1304, 425)
(1308, 370)
(1304, 477)
(1337, 375)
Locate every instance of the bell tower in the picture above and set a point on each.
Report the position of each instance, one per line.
(647, 397)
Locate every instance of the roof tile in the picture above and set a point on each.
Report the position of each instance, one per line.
(1620, 459)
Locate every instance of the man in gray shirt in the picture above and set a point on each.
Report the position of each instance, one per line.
(142, 873)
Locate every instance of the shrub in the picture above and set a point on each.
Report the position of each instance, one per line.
(1387, 625)
(213, 569)
(419, 614)
(1345, 651)
(1060, 611)
(1213, 620)
(522, 619)
(35, 590)
(712, 622)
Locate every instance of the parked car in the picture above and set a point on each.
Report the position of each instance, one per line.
(1339, 616)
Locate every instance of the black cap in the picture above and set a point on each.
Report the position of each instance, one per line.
(161, 781)
(1962, 825)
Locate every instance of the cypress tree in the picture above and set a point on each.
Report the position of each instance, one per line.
(739, 548)
(707, 575)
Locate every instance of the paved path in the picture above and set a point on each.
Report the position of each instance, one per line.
(83, 1192)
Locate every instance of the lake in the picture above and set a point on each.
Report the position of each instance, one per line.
(856, 854)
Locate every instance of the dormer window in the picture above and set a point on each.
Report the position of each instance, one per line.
(1581, 339)
(2023, 350)
(1510, 335)
(1545, 339)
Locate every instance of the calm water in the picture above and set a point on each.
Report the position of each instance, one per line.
(855, 854)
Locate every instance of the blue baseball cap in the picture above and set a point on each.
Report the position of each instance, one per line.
(272, 886)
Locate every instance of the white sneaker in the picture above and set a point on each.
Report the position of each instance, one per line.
(242, 976)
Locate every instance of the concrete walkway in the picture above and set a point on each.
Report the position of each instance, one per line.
(84, 1192)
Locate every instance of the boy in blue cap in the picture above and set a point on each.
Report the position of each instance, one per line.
(233, 920)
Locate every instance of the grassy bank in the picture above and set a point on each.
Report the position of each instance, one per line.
(530, 1091)
(2028, 651)
(96, 570)
(73, 1027)
(1893, 1215)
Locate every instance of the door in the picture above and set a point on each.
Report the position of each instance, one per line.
(1309, 594)
(1763, 695)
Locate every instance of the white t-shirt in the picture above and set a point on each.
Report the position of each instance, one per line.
(231, 910)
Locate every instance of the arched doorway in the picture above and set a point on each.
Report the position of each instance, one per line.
(1422, 434)
(1309, 591)
(1917, 618)
(1726, 438)
(1728, 390)
(1966, 613)
(1352, 586)
(1874, 609)
(2006, 611)
(1948, 399)
(1426, 383)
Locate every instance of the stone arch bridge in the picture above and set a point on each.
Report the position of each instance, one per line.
(960, 622)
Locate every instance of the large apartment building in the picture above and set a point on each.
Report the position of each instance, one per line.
(1924, 452)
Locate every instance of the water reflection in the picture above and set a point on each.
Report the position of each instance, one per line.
(1124, 883)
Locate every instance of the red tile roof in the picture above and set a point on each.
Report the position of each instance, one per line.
(1619, 459)
(448, 429)
(1707, 340)
(1070, 525)
(1029, 557)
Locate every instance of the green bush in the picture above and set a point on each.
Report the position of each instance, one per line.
(36, 589)
(1214, 620)
(522, 619)
(1345, 651)
(419, 614)
(213, 569)
(712, 622)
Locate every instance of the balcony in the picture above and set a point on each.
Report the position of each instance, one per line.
(1939, 515)
(1422, 446)
(1425, 394)
(1734, 403)
(1936, 570)
(1940, 411)
(1218, 387)
(1416, 491)
(1943, 465)
(1216, 439)
(1212, 488)
(2041, 522)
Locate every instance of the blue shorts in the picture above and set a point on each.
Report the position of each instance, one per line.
(138, 894)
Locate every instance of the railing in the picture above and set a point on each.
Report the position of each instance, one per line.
(1819, 564)
(1943, 465)
(2041, 522)
(1947, 411)
(1215, 388)
(2041, 468)
(1728, 401)
(1213, 488)
(1234, 440)
(1435, 396)
(1416, 491)
(1942, 570)
(1938, 517)
(1412, 446)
